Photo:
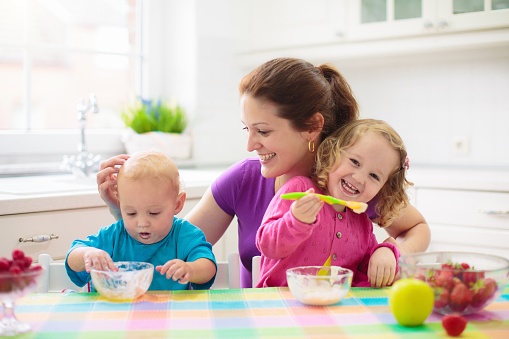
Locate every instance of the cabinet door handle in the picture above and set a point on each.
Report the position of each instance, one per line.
(39, 238)
(494, 212)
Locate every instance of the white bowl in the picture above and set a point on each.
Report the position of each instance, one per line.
(328, 288)
(130, 281)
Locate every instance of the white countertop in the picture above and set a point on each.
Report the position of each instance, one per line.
(61, 192)
(476, 179)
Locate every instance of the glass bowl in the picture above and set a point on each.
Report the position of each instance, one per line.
(319, 285)
(463, 282)
(132, 280)
(12, 287)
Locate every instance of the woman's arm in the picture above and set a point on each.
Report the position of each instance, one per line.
(209, 217)
(107, 183)
(410, 230)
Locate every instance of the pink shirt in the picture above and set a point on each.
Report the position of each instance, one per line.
(285, 242)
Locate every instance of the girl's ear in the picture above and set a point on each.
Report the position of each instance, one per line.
(179, 204)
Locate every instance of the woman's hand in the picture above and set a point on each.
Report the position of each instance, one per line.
(382, 267)
(107, 182)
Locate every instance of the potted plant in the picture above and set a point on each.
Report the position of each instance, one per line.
(156, 125)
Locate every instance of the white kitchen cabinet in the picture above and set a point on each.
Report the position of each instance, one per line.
(374, 19)
(66, 225)
(63, 226)
(291, 23)
(466, 220)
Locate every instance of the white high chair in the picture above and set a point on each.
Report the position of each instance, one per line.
(228, 273)
(55, 278)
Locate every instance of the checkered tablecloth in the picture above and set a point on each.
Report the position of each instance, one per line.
(237, 313)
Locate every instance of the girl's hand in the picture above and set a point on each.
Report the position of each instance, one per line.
(107, 182)
(177, 269)
(99, 260)
(306, 208)
(382, 267)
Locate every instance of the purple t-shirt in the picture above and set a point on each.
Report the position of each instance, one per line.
(242, 191)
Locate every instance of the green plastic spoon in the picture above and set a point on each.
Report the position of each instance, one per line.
(357, 207)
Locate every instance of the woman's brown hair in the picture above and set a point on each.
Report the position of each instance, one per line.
(300, 90)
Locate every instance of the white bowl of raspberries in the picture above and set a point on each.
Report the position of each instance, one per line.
(462, 282)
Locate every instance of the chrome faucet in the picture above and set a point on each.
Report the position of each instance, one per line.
(84, 163)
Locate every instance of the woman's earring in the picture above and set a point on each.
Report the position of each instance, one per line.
(311, 146)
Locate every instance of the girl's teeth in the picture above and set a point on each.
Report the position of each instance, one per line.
(349, 188)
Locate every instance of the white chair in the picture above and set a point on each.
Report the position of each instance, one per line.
(55, 278)
(256, 269)
(228, 273)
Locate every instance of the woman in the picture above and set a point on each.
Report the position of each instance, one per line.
(288, 107)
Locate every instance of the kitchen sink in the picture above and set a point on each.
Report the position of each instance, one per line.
(42, 184)
(64, 183)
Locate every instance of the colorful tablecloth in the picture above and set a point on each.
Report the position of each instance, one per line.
(237, 313)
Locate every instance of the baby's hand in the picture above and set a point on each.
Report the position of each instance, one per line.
(306, 208)
(177, 269)
(382, 267)
(99, 260)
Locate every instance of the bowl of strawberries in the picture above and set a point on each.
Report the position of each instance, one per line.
(462, 282)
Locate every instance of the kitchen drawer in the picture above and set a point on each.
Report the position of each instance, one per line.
(465, 208)
(469, 239)
(67, 224)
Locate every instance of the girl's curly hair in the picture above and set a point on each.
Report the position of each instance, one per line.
(392, 198)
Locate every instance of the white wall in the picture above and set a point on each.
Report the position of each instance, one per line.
(434, 99)
(430, 99)
(199, 68)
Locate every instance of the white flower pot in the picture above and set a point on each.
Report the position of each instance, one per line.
(176, 146)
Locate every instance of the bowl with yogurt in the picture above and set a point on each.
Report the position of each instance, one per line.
(319, 285)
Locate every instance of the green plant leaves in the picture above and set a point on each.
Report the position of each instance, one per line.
(149, 115)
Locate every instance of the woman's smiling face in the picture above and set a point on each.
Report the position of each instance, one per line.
(363, 169)
(282, 150)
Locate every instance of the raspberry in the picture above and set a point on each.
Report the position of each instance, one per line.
(4, 264)
(18, 254)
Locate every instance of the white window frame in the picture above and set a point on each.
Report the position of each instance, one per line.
(21, 149)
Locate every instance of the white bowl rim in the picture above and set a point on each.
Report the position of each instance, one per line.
(149, 266)
(438, 253)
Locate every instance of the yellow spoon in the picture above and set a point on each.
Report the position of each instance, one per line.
(324, 271)
(357, 207)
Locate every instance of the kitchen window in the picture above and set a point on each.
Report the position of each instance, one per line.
(54, 52)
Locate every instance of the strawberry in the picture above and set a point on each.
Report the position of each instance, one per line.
(471, 277)
(445, 279)
(483, 291)
(441, 297)
(460, 297)
(464, 266)
(454, 324)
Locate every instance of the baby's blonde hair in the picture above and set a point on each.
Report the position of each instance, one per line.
(392, 198)
(154, 165)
